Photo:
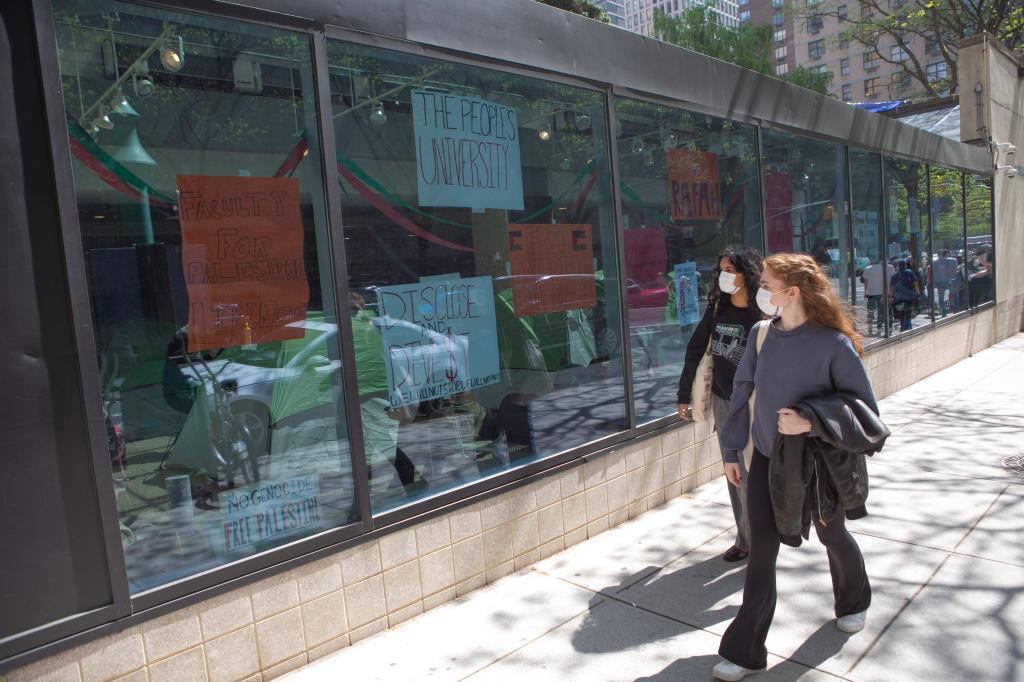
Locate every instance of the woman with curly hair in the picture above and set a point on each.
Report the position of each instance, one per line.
(726, 325)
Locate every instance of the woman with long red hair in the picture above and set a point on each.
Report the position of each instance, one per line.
(809, 350)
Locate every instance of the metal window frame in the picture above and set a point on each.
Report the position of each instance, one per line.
(368, 26)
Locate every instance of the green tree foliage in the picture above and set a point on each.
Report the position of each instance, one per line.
(878, 24)
(586, 8)
(699, 29)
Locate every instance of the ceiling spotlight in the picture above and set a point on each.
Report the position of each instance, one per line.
(172, 54)
(103, 120)
(671, 140)
(120, 105)
(142, 85)
(637, 146)
(377, 114)
(583, 121)
(566, 163)
(544, 133)
(92, 129)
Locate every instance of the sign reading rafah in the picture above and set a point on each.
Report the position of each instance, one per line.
(241, 252)
(693, 185)
(552, 268)
(467, 152)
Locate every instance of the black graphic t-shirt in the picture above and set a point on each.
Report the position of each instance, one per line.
(728, 333)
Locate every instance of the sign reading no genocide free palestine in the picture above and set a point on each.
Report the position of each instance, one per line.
(467, 152)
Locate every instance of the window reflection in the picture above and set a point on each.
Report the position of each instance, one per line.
(481, 257)
(203, 225)
(689, 189)
(949, 276)
(907, 242)
(980, 244)
(872, 271)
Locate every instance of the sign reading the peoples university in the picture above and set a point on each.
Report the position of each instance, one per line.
(552, 268)
(693, 185)
(467, 152)
(241, 252)
(440, 338)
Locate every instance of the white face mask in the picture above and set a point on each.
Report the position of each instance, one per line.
(727, 282)
(764, 302)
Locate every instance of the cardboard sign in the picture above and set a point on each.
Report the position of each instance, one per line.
(242, 259)
(687, 300)
(440, 338)
(467, 152)
(694, 188)
(268, 509)
(552, 268)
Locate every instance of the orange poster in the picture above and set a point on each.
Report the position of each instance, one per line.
(241, 252)
(552, 268)
(693, 185)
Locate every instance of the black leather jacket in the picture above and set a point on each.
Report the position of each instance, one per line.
(816, 472)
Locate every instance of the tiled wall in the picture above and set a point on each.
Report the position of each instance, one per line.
(276, 625)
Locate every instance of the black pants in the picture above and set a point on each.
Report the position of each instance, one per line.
(744, 641)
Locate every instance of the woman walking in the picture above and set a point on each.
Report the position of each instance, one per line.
(810, 354)
(726, 325)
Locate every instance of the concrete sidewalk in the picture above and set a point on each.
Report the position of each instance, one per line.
(648, 600)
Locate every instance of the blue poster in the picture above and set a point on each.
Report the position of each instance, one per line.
(439, 338)
(687, 307)
(467, 152)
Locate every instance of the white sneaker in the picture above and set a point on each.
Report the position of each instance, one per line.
(730, 672)
(853, 622)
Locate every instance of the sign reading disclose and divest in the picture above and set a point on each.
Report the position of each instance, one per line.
(241, 252)
(268, 509)
(467, 152)
(439, 338)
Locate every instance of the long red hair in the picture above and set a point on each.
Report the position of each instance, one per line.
(821, 303)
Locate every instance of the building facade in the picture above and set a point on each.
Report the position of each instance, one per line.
(773, 13)
(616, 10)
(640, 13)
(322, 317)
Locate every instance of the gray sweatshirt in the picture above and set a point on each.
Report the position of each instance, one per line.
(805, 362)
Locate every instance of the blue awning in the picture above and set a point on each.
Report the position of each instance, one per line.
(880, 106)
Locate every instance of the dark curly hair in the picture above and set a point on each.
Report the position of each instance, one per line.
(748, 262)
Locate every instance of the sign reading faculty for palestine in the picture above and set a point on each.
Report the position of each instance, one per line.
(467, 152)
(241, 252)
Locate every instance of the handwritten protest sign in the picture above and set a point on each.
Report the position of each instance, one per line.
(440, 338)
(242, 258)
(693, 185)
(552, 268)
(268, 509)
(467, 152)
(687, 307)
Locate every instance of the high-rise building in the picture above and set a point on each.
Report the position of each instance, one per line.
(859, 73)
(640, 13)
(773, 13)
(616, 10)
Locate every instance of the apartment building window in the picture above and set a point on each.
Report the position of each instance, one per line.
(744, 16)
(872, 88)
(936, 72)
(844, 66)
(931, 46)
(778, 19)
(897, 53)
(778, 4)
(897, 4)
(847, 93)
(820, 69)
(781, 69)
(780, 36)
(781, 53)
(871, 61)
(816, 49)
(841, 13)
(844, 43)
(900, 82)
(815, 24)
(866, 8)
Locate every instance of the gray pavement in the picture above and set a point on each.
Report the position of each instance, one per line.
(648, 600)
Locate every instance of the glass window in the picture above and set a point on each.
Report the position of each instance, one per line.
(820, 68)
(844, 66)
(689, 189)
(841, 13)
(780, 36)
(816, 49)
(847, 92)
(745, 15)
(897, 53)
(781, 53)
(815, 24)
(871, 60)
(781, 69)
(479, 233)
(900, 82)
(980, 242)
(872, 88)
(201, 203)
(844, 43)
(931, 46)
(872, 271)
(805, 200)
(948, 280)
(939, 71)
(778, 4)
(908, 247)
(778, 19)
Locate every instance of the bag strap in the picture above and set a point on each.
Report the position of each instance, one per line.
(761, 334)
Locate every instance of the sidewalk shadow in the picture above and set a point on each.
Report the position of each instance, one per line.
(686, 598)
